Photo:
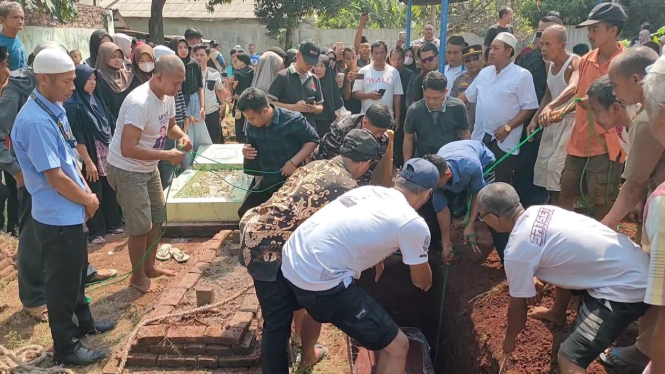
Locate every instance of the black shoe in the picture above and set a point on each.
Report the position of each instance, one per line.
(81, 356)
(101, 327)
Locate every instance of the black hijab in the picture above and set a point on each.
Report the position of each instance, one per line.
(290, 57)
(88, 116)
(95, 42)
(412, 66)
(332, 96)
(174, 47)
(193, 76)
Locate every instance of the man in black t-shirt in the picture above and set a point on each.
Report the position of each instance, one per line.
(505, 16)
(296, 88)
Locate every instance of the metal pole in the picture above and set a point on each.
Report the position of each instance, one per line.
(599, 1)
(409, 5)
(443, 36)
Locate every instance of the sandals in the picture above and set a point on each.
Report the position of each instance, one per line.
(612, 358)
(116, 231)
(98, 240)
(39, 313)
(302, 369)
(179, 256)
(164, 252)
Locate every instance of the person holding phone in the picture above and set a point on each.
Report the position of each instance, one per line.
(379, 83)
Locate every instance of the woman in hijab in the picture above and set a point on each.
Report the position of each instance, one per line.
(192, 89)
(332, 96)
(290, 57)
(125, 43)
(332, 56)
(113, 79)
(97, 38)
(266, 70)
(243, 76)
(143, 63)
(410, 59)
(280, 52)
(91, 125)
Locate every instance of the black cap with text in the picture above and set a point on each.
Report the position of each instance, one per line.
(310, 52)
(604, 12)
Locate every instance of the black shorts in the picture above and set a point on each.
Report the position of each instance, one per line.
(353, 311)
(598, 324)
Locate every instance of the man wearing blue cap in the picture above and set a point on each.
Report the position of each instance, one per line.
(351, 234)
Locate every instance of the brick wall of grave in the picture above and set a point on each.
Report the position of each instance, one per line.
(89, 17)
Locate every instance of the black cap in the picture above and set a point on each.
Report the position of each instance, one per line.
(244, 57)
(471, 50)
(604, 12)
(360, 145)
(310, 52)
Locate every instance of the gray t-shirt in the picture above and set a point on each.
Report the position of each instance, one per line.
(432, 135)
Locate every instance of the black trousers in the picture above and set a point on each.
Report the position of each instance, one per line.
(529, 193)
(31, 289)
(12, 204)
(165, 167)
(398, 143)
(428, 213)
(258, 194)
(108, 216)
(4, 195)
(278, 302)
(64, 253)
(214, 125)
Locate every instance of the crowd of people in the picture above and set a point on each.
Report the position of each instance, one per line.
(91, 144)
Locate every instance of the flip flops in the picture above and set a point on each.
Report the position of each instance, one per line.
(613, 358)
(303, 369)
(179, 256)
(164, 252)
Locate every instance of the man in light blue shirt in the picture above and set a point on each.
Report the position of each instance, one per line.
(61, 203)
(12, 20)
(461, 166)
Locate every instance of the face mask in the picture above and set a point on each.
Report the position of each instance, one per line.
(408, 60)
(146, 67)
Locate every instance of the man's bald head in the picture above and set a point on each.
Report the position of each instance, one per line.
(166, 65)
(627, 71)
(556, 31)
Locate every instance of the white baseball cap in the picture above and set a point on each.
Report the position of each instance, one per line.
(53, 61)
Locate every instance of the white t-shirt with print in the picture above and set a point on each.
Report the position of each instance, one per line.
(144, 110)
(212, 81)
(351, 234)
(387, 79)
(574, 252)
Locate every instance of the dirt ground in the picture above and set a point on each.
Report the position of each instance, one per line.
(127, 306)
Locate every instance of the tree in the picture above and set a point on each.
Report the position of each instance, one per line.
(64, 10)
(382, 13)
(156, 22)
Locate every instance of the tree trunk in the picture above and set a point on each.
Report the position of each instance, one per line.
(288, 38)
(156, 22)
(432, 14)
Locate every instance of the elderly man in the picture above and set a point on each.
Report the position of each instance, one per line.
(354, 233)
(654, 102)
(569, 250)
(262, 242)
(132, 164)
(377, 120)
(561, 64)
(62, 202)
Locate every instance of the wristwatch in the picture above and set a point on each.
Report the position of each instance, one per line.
(507, 128)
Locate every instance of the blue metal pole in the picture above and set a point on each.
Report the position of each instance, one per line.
(599, 1)
(408, 23)
(443, 36)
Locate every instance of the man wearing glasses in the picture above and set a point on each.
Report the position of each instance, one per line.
(429, 61)
(473, 64)
(428, 37)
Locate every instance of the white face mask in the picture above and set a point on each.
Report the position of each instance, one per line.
(147, 67)
(408, 60)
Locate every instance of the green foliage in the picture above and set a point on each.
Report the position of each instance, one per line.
(280, 15)
(64, 10)
(382, 13)
(572, 11)
(640, 11)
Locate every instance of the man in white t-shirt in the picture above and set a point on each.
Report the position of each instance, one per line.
(145, 119)
(214, 94)
(574, 252)
(380, 83)
(351, 234)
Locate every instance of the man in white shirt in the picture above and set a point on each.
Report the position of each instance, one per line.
(380, 83)
(214, 93)
(351, 234)
(505, 98)
(145, 119)
(552, 245)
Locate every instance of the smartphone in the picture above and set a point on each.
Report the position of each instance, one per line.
(382, 91)
(311, 100)
(224, 74)
(402, 36)
(229, 71)
(360, 76)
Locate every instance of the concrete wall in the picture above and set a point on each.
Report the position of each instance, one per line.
(71, 38)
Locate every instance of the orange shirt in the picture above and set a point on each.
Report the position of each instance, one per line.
(583, 141)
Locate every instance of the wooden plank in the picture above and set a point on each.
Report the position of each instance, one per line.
(383, 172)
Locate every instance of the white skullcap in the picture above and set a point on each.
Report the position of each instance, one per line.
(507, 38)
(161, 50)
(53, 61)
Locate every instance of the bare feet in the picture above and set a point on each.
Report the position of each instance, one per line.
(145, 285)
(157, 272)
(546, 314)
(320, 353)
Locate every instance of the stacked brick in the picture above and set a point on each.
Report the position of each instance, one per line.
(233, 345)
(88, 17)
(7, 262)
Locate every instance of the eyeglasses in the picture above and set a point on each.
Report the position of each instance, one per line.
(480, 217)
(471, 59)
(427, 60)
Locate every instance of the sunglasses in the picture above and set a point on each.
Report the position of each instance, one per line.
(471, 59)
(427, 60)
